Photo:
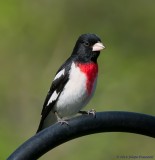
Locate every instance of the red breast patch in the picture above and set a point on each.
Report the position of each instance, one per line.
(91, 71)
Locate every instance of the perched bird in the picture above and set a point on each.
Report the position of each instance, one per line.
(74, 83)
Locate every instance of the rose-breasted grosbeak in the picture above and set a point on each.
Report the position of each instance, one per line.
(74, 83)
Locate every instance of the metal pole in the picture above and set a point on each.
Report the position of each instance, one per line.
(114, 121)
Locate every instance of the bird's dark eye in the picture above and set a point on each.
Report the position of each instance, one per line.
(86, 43)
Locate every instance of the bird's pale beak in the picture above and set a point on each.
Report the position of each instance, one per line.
(98, 46)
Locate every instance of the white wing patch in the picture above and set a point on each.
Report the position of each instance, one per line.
(59, 74)
(53, 97)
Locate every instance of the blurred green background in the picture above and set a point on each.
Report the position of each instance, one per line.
(37, 36)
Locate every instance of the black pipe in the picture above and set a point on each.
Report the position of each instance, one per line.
(57, 134)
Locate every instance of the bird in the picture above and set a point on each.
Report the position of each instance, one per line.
(74, 82)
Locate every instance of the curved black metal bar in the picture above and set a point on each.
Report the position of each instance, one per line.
(57, 134)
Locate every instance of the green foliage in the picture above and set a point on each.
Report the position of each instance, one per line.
(38, 36)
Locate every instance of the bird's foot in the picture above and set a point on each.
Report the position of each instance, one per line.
(62, 122)
(90, 112)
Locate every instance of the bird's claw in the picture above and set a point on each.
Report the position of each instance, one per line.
(62, 122)
(90, 112)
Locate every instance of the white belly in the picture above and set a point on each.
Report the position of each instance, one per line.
(75, 95)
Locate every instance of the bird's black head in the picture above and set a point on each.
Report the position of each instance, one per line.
(87, 48)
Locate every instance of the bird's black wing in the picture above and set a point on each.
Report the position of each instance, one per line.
(56, 88)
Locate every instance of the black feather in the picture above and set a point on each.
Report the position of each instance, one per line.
(57, 85)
